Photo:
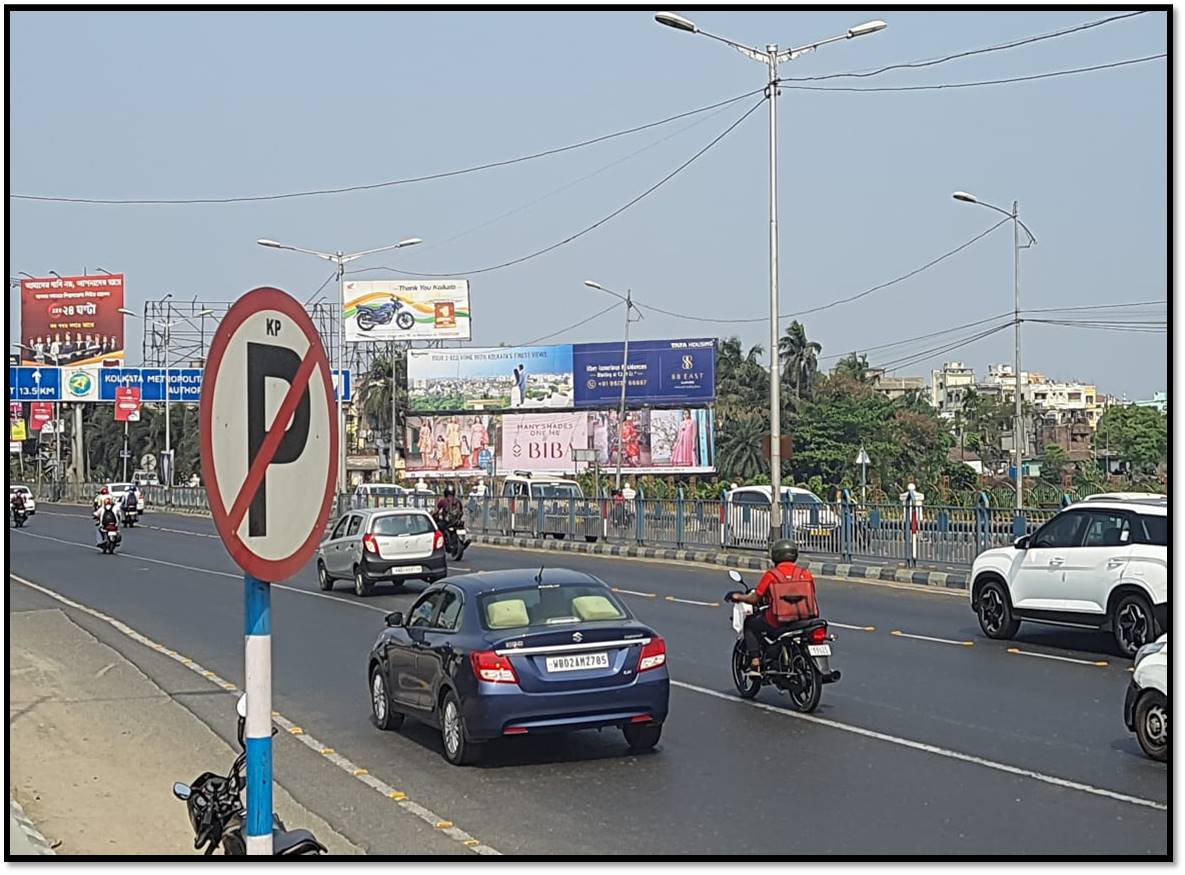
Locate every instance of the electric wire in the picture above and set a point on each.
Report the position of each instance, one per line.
(573, 326)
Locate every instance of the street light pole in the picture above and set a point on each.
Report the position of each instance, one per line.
(771, 57)
(630, 309)
(341, 260)
(1018, 415)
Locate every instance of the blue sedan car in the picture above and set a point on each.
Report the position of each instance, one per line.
(519, 652)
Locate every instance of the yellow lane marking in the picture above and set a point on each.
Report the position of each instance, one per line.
(1099, 663)
(901, 634)
(409, 806)
(645, 595)
(856, 628)
(671, 598)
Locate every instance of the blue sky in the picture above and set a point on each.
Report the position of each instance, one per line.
(165, 104)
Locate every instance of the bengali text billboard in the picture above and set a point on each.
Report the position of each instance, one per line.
(71, 320)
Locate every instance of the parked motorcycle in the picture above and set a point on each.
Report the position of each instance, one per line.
(796, 658)
(111, 538)
(217, 814)
(370, 315)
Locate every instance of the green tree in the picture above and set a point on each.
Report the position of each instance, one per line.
(1054, 462)
(738, 445)
(799, 358)
(1138, 435)
(853, 366)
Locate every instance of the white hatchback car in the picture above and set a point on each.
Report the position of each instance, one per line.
(1146, 706)
(30, 504)
(1097, 564)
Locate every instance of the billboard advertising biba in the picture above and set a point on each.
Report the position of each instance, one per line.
(71, 320)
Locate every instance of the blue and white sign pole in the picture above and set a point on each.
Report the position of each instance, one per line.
(271, 475)
(258, 732)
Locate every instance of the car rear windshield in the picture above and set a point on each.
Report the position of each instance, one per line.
(1156, 529)
(549, 605)
(556, 490)
(402, 524)
(120, 487)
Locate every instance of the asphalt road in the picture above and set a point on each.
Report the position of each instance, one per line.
(936, 740)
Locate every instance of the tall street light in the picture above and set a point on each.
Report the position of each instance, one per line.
(630, 309)
(771, 57)
(341, 260)
(1017, 224)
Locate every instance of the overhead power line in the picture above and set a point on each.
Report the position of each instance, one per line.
(576, 236)
(1119, 306)
(318, 192)
(573, 326)
(839, 301)
(864, 350)
(922, 355)
(912, 65)
(980, 83)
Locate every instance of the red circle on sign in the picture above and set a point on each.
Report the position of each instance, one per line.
(265, 298)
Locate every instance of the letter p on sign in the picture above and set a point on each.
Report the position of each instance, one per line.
(268, 434)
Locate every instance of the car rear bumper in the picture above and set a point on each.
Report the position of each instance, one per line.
(495, 708)
(1129, 705)
(431, 566)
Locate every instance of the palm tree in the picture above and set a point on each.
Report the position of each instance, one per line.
(740, 456)
(375, 390)
(800, 359)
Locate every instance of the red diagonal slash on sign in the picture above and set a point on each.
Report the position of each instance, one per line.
(271, 443)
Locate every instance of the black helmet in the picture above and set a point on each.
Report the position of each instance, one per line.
(783, 550)
(449, 492)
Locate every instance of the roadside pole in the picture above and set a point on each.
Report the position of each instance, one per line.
(265, 338)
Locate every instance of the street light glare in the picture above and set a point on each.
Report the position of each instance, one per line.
(594, 285)
(125, 311)
(866, 28)
(965, 197)
(410, 241)
(271, 243)
(676, 21)
(206, 312)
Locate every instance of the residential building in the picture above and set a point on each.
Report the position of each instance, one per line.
(896, 387)
(1065, 401)
(949, 386)
(1160, 401)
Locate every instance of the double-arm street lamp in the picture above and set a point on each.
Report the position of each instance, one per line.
(341, 259)
(771, 57)
(1017, 422)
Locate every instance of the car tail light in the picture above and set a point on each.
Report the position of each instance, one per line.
(515, 730)
(642, 718)
(819, 635)
(489, 666)
(370, 543)
(654, 654)
(438, 541)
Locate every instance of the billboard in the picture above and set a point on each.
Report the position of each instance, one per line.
(660, 372)
(676, 441)
(461, 445)
(71, 320)
(496, 378)
(406, 310)
(540, 442)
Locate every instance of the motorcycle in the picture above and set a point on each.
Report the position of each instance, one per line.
(111, 538)
(370, 315)
(217, 814)
(130, 516)
(456, 540)
(19, 515)
(795, 658)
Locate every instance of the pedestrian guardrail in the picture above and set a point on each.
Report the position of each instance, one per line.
(845, 531)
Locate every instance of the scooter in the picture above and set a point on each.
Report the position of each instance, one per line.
(19, 515)
(111, 539)
(796, 658)
(130, 516)
(216, 812)
(370, 315)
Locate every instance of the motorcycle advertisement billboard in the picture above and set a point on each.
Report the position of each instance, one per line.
(660, 372)
(72, 320)
(496, 378)
(403, 310)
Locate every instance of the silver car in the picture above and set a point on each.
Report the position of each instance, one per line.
(372, 544)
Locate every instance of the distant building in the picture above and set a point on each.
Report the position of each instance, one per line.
(896, 387)
(1160, 401)
(1065, 401)
(949, 386)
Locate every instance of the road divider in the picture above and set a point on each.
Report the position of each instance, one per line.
(1098, 663)
(352, 769)
(899, 634)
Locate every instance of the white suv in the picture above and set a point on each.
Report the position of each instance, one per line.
(1097, 564)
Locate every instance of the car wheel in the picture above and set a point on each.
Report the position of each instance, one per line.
(362, 586)
(1152, 724)
(747, 687)
(1132, 624)
(323, 579)
(994, 609)
(642, 737)
(457, 749)
(384, 715)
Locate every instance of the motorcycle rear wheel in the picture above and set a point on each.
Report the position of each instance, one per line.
(365, 321)
(747, 687)
(804, 685)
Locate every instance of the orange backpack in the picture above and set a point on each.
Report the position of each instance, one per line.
(793, 598)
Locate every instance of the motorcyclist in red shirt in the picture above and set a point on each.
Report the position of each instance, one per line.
(784, 555)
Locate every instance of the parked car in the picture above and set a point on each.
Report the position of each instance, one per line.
(372, 544)
(1146, 706)
(524, 491)
(519, 652)
(30, 504)
(748, 516)
(378, 495)
(1096, 564)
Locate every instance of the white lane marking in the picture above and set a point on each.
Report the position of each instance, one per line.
(1099, 663)
(899, 634)
(932, 749)
(645, 595)
(280, 586)
(856, 628)
(445, 826)
(671, 598)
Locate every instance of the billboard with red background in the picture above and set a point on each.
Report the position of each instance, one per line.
(72, 320)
